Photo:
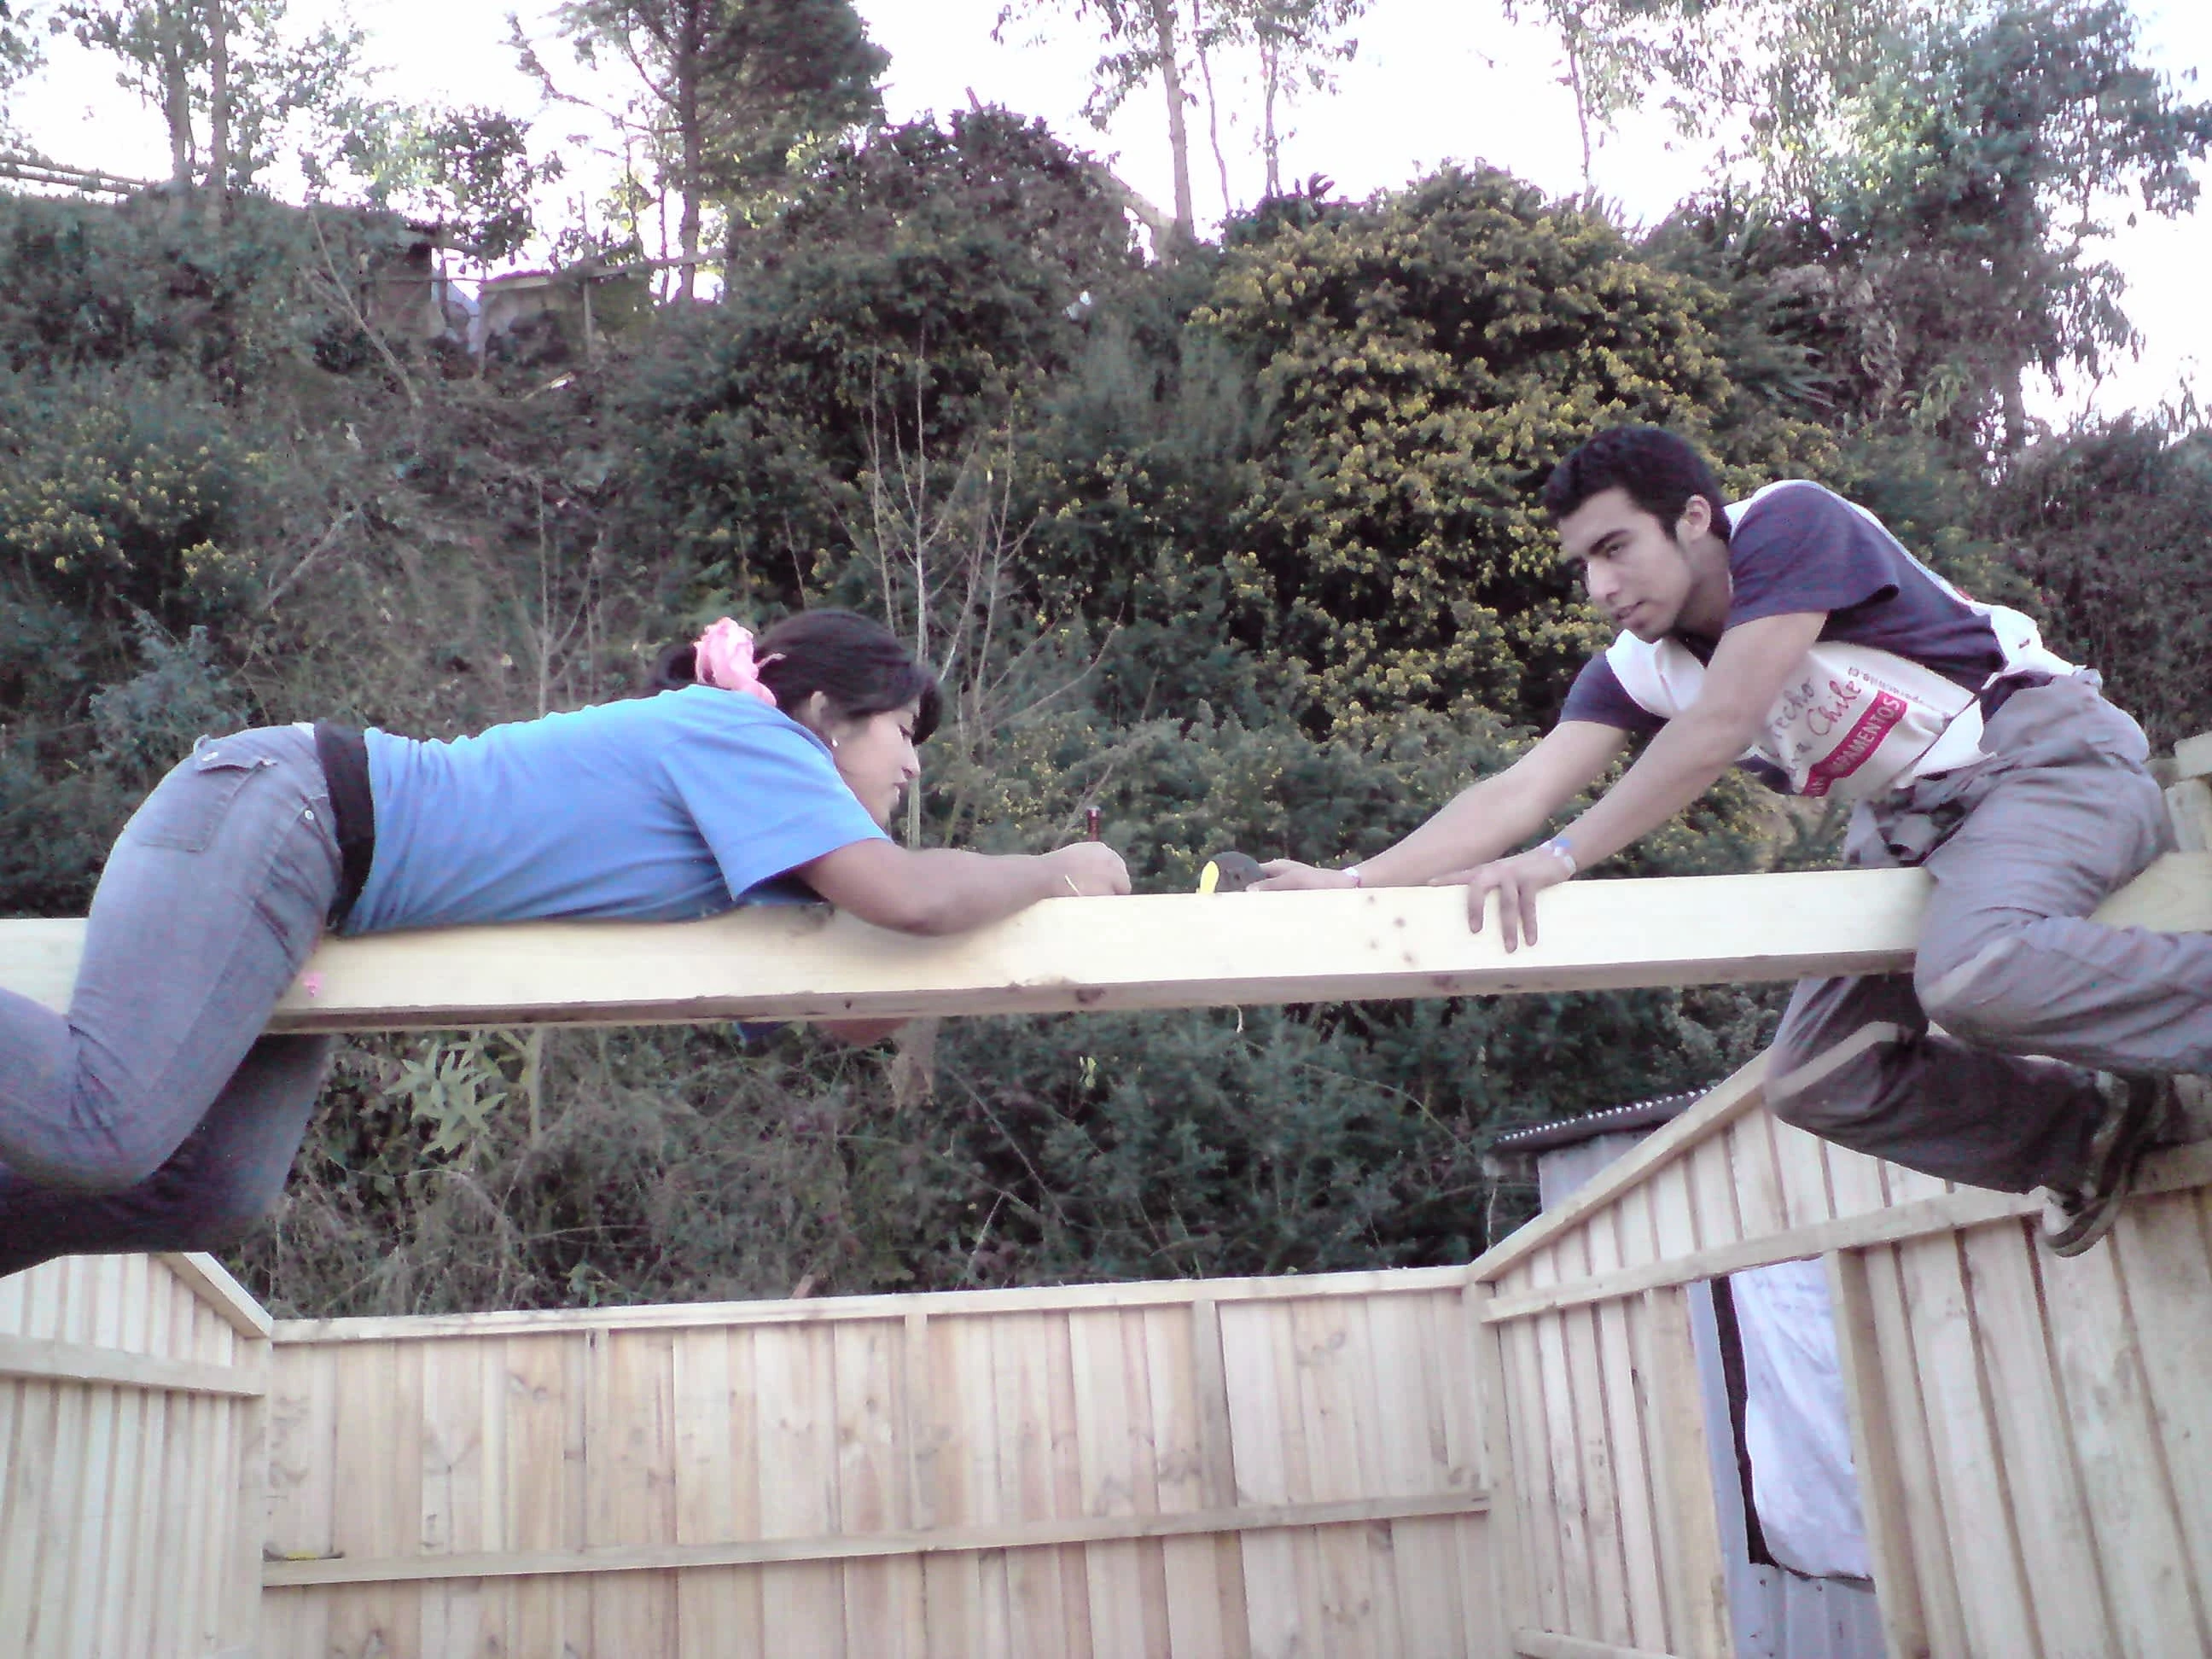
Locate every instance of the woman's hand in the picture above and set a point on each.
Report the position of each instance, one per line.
(1516, 881)
(1088, 869)
(1289, 876)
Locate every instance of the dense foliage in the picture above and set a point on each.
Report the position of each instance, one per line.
(1240, 547)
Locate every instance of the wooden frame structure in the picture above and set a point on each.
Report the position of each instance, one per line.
(133, 1407)
(2033, 1436)
(1505, 1459)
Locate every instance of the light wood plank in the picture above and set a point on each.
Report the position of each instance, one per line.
(717, 1498)
(2043, 1489)
(1547, 1644)
(1646, 1600)
(83, 1362)
(2131, 1506)
(1883, 1505)
(1994, 1595)
(1683, 1468)
(212, 1282)
(794, 1402)
(1150, 950)
(1952, 1213)
(2165, 1257)
(822, 1311)
(2192, 756)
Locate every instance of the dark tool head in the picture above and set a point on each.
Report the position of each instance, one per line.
(1229, 873)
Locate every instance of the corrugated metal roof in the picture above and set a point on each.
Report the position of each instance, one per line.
(1573, 1130)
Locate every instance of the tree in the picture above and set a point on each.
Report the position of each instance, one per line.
(1295, 41)
(469, 169)
(730, 88)
(1931, 178)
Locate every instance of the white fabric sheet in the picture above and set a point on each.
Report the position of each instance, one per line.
(1796, 1422)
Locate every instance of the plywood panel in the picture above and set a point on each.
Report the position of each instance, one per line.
(2042, 1488)
(2164, 1250)
(1994, 1596)
(2131, 1505)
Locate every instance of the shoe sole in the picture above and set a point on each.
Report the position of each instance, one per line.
(2120, 1160)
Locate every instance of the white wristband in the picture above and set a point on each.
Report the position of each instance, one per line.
(1351, 871)
(1558, 848)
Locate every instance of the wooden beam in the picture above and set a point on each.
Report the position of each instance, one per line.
(830, 1310)
(1550, 1645)
(1156, 950)
(2192, 756)
(2176, 1169)
(40, 1359)
(211, 1282)
(849, 1547)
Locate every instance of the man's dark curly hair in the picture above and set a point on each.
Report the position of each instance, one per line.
(1659, 472)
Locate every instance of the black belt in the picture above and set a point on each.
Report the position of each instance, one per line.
(1995, 697)
(344, 754)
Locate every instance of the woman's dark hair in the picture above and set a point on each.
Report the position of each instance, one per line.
(858, 666)
(1659, 472)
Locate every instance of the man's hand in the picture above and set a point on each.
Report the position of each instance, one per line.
(1516, 881)
(1289, 876)
(1088, 869)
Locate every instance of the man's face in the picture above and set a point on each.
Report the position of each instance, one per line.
(1635, 568)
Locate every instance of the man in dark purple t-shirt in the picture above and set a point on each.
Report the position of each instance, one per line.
(1792, 635)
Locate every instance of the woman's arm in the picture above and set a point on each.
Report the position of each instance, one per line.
(940, 890)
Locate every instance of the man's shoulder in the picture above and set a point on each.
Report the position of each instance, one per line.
(1789, 503)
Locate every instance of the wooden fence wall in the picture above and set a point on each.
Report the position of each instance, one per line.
(131, 1405)
(1260, 1468)
(2033, 1435)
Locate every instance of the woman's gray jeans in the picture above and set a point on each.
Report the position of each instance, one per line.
(156, 1116)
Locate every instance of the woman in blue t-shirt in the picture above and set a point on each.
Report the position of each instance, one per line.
(157, 1115)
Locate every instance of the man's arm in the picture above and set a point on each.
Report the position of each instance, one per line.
(1749, 668)
(1482, 820)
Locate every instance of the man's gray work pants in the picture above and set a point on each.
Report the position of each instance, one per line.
(2031, 996)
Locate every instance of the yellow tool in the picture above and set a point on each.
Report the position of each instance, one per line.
(1229, 873)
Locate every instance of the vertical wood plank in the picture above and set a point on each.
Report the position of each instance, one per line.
(718, 1610)
(1994, 1596)
(1633, 1484)
(1335, 1381)
(544, 1487)
(630, 1433)
(885, 1611)
(1855, 1181)
(2131, 1507)
(794, 1403)
(1805, 1200)
(380, 1476)
(1756, 1175)
(2058, 1552)
(2164, 1256)
(1683, 1458)
(1022, 1398)
(1513, 1591)
(1937, 1577)
(1874, 1454)
(1562, 1450)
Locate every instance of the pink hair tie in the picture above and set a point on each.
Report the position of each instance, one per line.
(723, 657)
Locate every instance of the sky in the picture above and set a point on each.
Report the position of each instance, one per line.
(1433, 81)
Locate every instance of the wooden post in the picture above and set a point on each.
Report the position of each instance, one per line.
(1513, 1599)
(1683, 1470)
(1874, 1453)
